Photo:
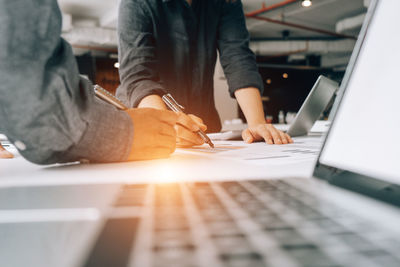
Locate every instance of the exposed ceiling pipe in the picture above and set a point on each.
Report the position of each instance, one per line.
(269, 8)
(303, 27)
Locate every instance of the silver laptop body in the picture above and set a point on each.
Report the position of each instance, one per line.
(316, 102)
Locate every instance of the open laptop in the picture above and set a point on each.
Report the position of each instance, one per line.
(316, 102)
(319, 222)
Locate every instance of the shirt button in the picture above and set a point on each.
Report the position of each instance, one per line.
(20, 145)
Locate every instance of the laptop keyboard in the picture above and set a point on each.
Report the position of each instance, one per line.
(236, 224)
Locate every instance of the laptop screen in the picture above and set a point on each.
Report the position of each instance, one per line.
(365, 135)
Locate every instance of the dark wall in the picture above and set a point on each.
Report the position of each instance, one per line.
(100, 70)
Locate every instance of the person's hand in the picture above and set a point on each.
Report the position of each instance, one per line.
(265, 132)
(4, 154)
(154, 135)
(186, 128)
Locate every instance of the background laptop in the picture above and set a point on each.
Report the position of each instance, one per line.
(264, 222)
(316, 102)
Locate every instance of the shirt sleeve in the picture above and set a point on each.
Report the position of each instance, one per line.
(137, 53)
(237, 60)
(46, 109)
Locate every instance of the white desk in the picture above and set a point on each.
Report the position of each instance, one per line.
(181, 166)
(50, 215)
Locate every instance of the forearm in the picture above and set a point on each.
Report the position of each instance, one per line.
(152, 101)
(250, 102)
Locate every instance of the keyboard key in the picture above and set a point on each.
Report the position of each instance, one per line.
(242, 260)
(179, 256)
(329, 226)
(382, 258)
(222, 228)
(170, 239)
(232, 244)
(355, 241)
(286, 236)
(309, 255)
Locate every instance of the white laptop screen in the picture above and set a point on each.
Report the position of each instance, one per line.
(365, 136)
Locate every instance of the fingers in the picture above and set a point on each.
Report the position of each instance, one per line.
(283, 137)
(247, 136)
(4, 154)
(289, 138)
(265, 134)
(199, 122)
(187, 122)
(275, 134)
(186, 130)
(186, 137)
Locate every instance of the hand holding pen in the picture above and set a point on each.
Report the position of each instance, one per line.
(154, 134)
(174, 106)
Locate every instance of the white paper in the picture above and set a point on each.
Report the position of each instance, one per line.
(303, 149)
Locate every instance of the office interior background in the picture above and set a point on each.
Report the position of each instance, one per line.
(294, 41)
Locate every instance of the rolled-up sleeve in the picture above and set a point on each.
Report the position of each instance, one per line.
(237, 60)
(137, 53)
(46, 108)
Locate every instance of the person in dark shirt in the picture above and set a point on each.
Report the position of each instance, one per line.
(171, 46)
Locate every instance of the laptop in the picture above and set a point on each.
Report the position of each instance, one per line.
(347, 214)
(316, 102)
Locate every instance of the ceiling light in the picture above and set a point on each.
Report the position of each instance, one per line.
(116, 65)
(306, 3)
(285, 75)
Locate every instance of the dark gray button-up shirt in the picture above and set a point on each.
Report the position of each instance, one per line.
(170, 46)
(46, 109)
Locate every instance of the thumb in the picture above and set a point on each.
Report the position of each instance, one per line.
(247, 136)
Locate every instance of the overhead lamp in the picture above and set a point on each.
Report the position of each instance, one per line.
(116, 65)
(306, 3)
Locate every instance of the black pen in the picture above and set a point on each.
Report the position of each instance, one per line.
(174, 106)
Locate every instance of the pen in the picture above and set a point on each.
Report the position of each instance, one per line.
(174, 106)
(108, 97)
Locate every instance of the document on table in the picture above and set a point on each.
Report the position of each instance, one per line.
(303, 149)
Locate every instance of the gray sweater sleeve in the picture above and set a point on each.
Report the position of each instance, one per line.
(46, 109)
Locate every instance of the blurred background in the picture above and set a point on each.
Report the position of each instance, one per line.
(294, 40)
